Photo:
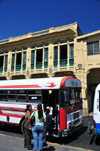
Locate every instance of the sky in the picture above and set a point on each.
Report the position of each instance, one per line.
(20, 17)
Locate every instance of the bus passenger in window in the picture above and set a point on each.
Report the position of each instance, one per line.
(27, 137)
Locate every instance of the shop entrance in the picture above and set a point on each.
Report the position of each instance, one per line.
(93, 79)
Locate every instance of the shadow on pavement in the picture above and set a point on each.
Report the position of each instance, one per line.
(50, 148)
(97, 140)
(9, 128)
(68, 139)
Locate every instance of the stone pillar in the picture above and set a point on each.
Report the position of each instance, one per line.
(82, 76)
(9, 65)
(68, 55)
(58, 67)
(50, 60)
(28, 63)
(84, 94)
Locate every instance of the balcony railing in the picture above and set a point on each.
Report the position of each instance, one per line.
(12, 68)
(38, 65)
(1, 69)
(55, 63)
(24, 67)
(18, 67)
(32, 66)
(71, 62)
(5, 68)
(45, 64)
(63, 62)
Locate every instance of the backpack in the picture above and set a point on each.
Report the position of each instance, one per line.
(32, 120)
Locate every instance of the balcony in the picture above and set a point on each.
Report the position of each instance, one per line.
(39, 65)
(1, 69)
(5, 69)
(32, 66)
(12, 68)
(55, 63)
(45, 64)
(63, 62)
(18, 67)
(71, 62)
(24, 67)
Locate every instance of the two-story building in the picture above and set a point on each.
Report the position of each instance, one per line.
(54, 52)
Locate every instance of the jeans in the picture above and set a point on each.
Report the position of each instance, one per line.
(38, 137)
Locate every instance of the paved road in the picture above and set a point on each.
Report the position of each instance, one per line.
(11, 143)
(12, 140)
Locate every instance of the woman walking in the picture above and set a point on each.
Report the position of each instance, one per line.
(37, 130)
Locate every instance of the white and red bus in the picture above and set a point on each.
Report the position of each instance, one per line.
(63, 94)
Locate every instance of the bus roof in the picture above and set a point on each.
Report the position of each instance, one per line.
(41, 83)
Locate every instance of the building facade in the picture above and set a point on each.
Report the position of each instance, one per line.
(54, 52)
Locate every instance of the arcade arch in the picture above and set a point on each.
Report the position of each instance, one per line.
(93, 79)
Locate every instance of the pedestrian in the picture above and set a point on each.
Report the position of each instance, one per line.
(48, 124)
(37, 129)
(28, 132)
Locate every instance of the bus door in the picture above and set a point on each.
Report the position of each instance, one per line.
(50, 99)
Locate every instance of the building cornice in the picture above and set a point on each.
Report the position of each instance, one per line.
(71, 27)
(88, 35)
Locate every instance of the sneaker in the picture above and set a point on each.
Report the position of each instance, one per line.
(30, 148)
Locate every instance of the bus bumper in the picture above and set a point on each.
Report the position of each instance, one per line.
(68, 132)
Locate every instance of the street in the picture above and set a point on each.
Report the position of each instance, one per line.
(11, 139)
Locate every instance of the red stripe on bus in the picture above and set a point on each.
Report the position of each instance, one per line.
(20, 86)
(0, 110)
(10, 115)
(13, 109)
(21, 109)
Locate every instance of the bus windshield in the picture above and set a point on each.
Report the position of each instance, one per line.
(70, 97)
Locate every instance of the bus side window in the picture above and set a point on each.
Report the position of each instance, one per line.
(11, 96)
(3, 95)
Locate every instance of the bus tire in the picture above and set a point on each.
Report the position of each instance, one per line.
(22, 126)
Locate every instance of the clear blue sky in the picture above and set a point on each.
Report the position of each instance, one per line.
(19, 17)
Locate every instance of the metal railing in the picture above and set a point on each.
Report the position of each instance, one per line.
(32, 66)
(55, 63)
(24, 67)
(71, 62)
(5, 68)
(1, 69)
(18, 67)
(38, 65)
(63, 62)
(45, 64)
